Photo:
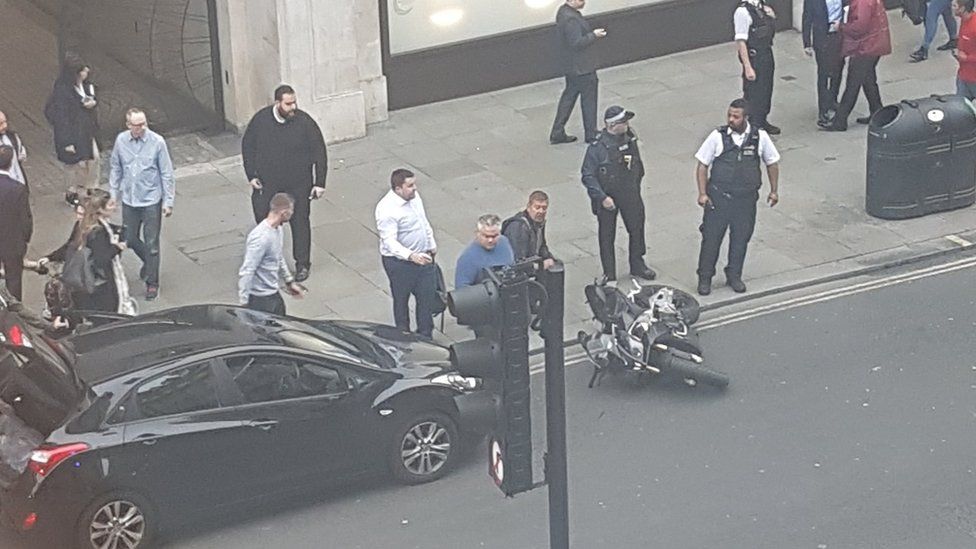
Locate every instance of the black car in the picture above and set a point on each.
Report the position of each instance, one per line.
(106, 434)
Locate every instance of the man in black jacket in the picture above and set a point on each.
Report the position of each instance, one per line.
(821, 38)
(284, 151)
(16, 223)
(526, 230)
(579, 65)
(10, 138)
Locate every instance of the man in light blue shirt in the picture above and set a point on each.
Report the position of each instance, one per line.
(142, 180)
(264, 268)
(490, 248)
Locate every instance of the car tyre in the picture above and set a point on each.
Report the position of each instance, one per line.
(125, 515)
(424, 448)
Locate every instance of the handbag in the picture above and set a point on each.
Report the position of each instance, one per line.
(78, 273)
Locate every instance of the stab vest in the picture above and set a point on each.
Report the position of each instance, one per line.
(737, 170)
(763, 27)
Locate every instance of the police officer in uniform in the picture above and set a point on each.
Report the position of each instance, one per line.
(754, 29)
(730, 192)
(612, 172)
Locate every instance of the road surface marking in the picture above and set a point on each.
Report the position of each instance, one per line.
(958, 240)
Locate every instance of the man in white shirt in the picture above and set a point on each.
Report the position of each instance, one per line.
(755, 26)
(11, 139)
(729, 179)
(408, 247)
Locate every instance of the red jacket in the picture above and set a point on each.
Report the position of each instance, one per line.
(865, 34)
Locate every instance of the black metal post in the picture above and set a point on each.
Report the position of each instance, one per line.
(556, 469)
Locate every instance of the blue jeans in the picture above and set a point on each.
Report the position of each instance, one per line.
(965, 89)
(932, 13)
(408, 278)
(142, 226)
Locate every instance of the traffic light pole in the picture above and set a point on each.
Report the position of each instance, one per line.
(555, 463)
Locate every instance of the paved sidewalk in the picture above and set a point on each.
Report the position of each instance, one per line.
(486, 153)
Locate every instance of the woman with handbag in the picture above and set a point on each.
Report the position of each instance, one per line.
(92, 269)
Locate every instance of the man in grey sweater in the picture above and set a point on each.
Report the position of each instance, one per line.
(264, 263)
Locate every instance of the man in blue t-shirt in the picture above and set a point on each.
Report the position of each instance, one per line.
(489, 249)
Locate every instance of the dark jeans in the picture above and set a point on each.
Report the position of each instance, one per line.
(13, 274)
(759, 92)
(830, 66)
(585, 87)
(142, 226)
(408, 278)
(301, 228)
(738, 217)
(273, 303)
(862, 72)
(631, 208)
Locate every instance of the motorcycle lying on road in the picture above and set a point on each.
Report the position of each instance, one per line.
(647, 332)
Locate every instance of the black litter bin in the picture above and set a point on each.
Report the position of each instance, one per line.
(921, 157)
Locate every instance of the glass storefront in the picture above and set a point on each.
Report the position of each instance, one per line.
(421, 24)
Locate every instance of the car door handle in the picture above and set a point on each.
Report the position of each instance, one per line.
(263, 424)
(148, 438)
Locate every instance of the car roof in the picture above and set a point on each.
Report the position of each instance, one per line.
(126, 346)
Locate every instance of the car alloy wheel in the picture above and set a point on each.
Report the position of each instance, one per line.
(425, 449)
(118, 524)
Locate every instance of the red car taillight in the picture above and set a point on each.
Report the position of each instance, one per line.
(46, 458)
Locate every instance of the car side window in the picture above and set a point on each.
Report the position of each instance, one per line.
(267, 378)
(188, 389)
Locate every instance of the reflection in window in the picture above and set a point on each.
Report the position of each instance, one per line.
(267, 378)
(185, 390)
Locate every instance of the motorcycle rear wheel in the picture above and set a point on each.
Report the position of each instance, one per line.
(700, 374)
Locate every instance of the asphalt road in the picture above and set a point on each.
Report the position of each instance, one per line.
(848, 424)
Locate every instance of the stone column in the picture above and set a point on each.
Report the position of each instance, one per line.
(328, 50)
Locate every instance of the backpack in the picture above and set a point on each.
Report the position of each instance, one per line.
(914, 10)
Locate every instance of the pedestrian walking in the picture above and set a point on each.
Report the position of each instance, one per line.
(72, 111)
(10, 138)
(755, 26)
(933, 11)
(490, 248)
(16, 223)
(579, 63)
(729, 178)
(284, 151)
(264, 268)
(526, 230)
(408, 249)
(966, 54)
(822, 40)
(865, 41)
(612, 172)
(142, 179)
(109, 290)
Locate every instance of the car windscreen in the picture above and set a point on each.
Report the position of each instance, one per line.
(330, 340)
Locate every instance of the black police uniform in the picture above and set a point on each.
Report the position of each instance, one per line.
(613, 167)
(759, 92)
(733, 187)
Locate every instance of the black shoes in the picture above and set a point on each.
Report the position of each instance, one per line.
(644, 272)
(704, 285)
(737, 285)
(950, 45)
(921, 54)
(301, 274)
(835, 127)
(771, 129)
(563, 139)
(864, 120)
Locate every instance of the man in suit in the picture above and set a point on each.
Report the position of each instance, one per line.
(16, 223)
(10, 138)
(822, 39)
(576, 40)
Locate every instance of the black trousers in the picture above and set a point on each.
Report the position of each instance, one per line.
(759, 92)
(830, 67)
(583, 86)
(13, 274)
(631, 208)
(273, 303)
(862, 73)
(406, 279)
(301, 228)
(735, 215)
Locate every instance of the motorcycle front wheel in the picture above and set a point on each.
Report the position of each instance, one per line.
(687, 369)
